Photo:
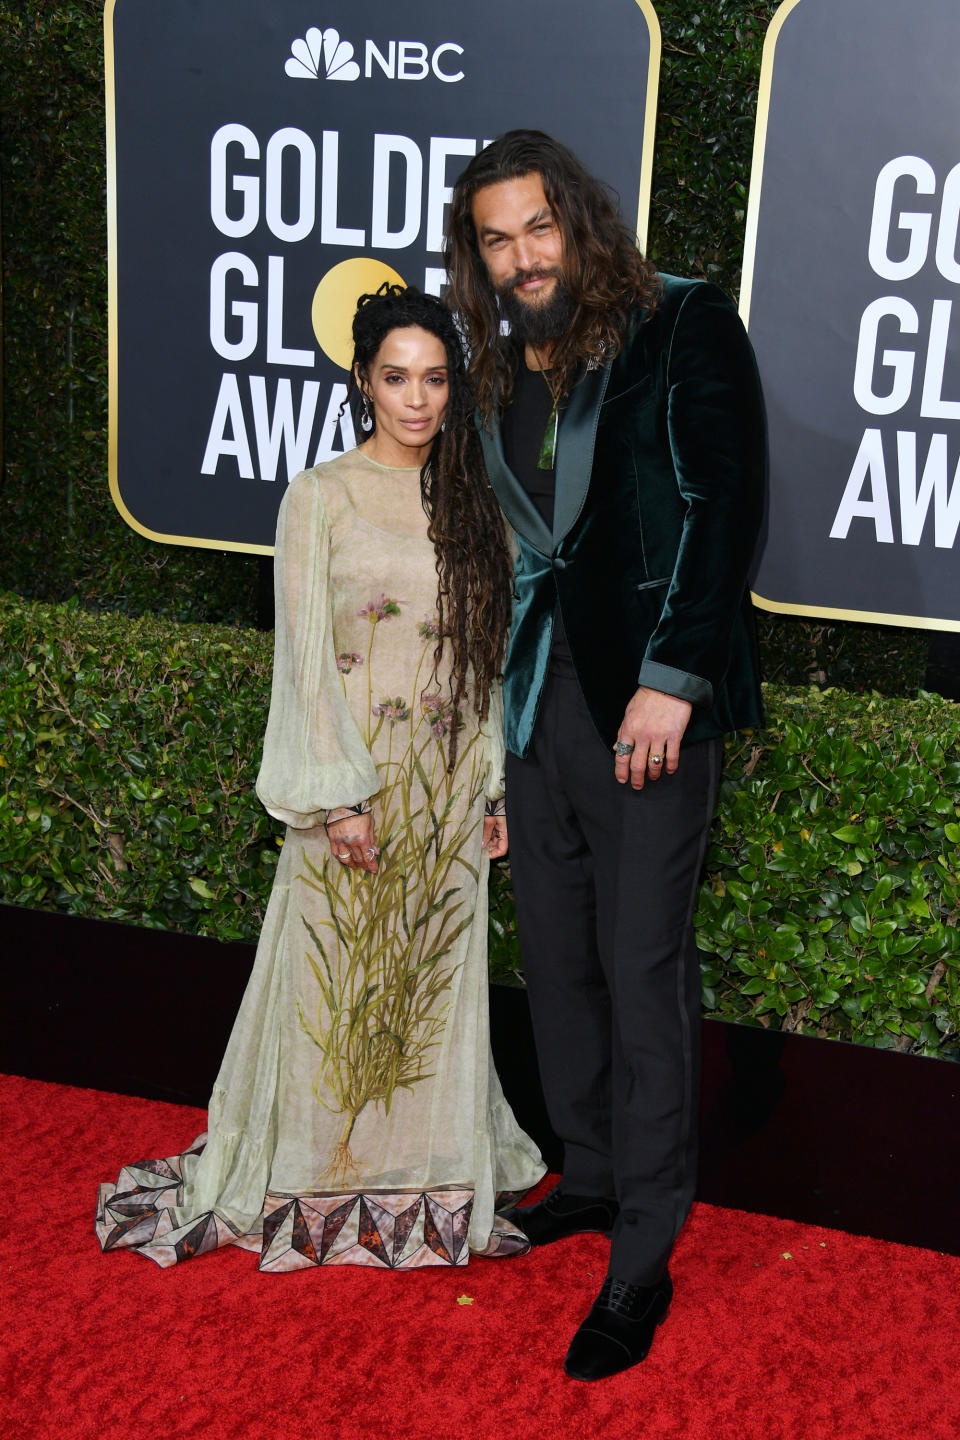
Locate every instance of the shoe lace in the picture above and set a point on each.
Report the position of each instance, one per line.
(619, 1295)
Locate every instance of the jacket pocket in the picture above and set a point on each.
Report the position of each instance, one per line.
(652, 584)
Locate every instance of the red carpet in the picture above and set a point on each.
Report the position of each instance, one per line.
(778, 1331)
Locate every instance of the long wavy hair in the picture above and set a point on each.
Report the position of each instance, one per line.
(603, 270)
(465, 524)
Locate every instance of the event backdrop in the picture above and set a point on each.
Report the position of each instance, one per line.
(851, 273)
(268, 163)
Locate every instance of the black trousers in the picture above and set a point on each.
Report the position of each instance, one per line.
(605, 880)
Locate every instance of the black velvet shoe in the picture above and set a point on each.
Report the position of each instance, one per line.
(619, 1330)
(558, 1215)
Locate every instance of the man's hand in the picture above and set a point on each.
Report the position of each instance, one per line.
(353, 842)
(495, 835)
(653, 724)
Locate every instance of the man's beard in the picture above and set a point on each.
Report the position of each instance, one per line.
(533, 323)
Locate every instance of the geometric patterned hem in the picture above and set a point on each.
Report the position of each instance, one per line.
(389, 1230)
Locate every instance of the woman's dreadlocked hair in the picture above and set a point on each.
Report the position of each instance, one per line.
(465, 525)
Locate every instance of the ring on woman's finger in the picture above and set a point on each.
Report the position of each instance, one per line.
(656, 759)
(624, 747)
(343, 854)
(372, 853)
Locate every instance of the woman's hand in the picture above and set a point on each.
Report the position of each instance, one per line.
(353, 842)
(495, 835)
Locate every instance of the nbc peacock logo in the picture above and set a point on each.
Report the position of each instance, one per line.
(322, 47)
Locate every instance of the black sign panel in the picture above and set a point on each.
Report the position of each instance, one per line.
(851, 277)
(271, 162)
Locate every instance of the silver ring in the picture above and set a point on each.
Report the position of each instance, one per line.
(343, 854)
(372, 853)
(656, 759)
(624, 747)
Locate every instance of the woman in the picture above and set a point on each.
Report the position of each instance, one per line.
(357, 1117)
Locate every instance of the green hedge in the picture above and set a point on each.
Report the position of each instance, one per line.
(128, 770)
(833, 881)
(833, 887)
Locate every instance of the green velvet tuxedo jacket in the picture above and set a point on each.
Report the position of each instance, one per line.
(659, 497)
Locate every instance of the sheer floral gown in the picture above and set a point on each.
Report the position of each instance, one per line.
(357, 1117)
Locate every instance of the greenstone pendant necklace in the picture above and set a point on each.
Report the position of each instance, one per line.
(547, 458)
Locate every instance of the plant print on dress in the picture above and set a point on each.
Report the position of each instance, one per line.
(381, 961)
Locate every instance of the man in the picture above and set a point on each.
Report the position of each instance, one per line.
(622, 426)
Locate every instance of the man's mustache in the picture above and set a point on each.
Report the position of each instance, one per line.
(520, 277)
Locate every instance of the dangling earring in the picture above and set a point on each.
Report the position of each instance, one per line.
(443, 424)
(366, 415)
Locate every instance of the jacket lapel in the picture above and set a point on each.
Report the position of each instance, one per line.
(514, 500)
(575, 444)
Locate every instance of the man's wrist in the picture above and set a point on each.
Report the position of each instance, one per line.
(681, 684)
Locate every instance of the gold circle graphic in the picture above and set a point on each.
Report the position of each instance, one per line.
(335, 301)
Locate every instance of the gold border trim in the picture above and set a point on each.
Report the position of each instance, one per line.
(759, 152)
(869, 617)
(649, 122)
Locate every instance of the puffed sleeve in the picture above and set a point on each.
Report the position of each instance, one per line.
(314, 757)
(494, 750)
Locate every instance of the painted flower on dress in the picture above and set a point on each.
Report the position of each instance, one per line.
(347, 660)
(429, 627)
(380, 609)
(392, 710)
(440, 715)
